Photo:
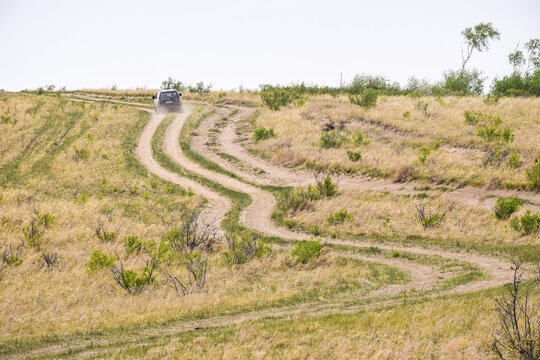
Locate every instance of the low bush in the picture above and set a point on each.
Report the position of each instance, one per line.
(506, 207)
(306, 250)
(429, 219)
(367, 99)
(98, 261)
(358, 138)
(132, 281)
(333, 139)
(354, 156)
(33, 234)
(105, 233)
(243, 248)
(50, 259)
(493, 132)
(326, 187)
(276, 97)
(526, 224)
(262, 133)
(45, 219)
(339, 217)
(12, 257)
(81, 154)
(133, 244)
(297, 200)
(424, 152)
(514, 161)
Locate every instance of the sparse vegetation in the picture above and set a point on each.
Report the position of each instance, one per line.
(526, 224)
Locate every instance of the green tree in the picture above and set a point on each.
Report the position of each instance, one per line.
(477, 38)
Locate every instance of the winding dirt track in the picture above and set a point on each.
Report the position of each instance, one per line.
(257, 217)
(227, 142)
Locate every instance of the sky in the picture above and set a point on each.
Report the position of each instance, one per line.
(97, 44)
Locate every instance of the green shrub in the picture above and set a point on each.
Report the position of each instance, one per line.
(333, 139)
(10, 257)
(33, 234)
(132, 281)
(45, 219)
(517, 85)
(424, 152)
(358, 138)
(493, 132)
(527, 223)
(99, 261)
(276, 97)
(133, 244)
(514, 161)
(306, 250)
(406, 114)
(298, 199)
(533, 174)
(354, 156)
(326, 187)
(367, 99)
(506, 207)
(339, 217)
(262, 133)
(315, 230)
(396, 253)
(243, 248)
(429, 219)
(473, 117)
(81, 154)
(463, 82)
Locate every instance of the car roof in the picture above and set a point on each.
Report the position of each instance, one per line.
(167, 90)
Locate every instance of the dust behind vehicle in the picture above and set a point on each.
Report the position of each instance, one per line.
(167, 100)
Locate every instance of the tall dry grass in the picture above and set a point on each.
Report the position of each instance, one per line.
(395, 140)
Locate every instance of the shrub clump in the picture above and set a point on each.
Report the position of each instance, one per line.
(493, 132)
(33, 234)
(276, 97)
(367, 99)
(133, 244)
(243, 248)
(262, 133)
(429, 220)
(354, 156)
(333, 139)
(506, 207)
(132, 281)
(98, 261)
(339, 217)
(306, 250)
(527, 223)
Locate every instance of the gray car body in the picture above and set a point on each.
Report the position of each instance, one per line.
(168, 100)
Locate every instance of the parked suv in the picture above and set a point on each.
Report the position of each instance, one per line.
(167, 100)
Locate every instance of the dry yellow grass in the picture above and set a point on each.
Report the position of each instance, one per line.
(43, 171)
(408, 331)
(393, 215)
(395, 140)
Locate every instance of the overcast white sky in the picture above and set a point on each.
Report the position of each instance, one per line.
(228, 43)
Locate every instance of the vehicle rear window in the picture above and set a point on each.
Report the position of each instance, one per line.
(171, 95)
